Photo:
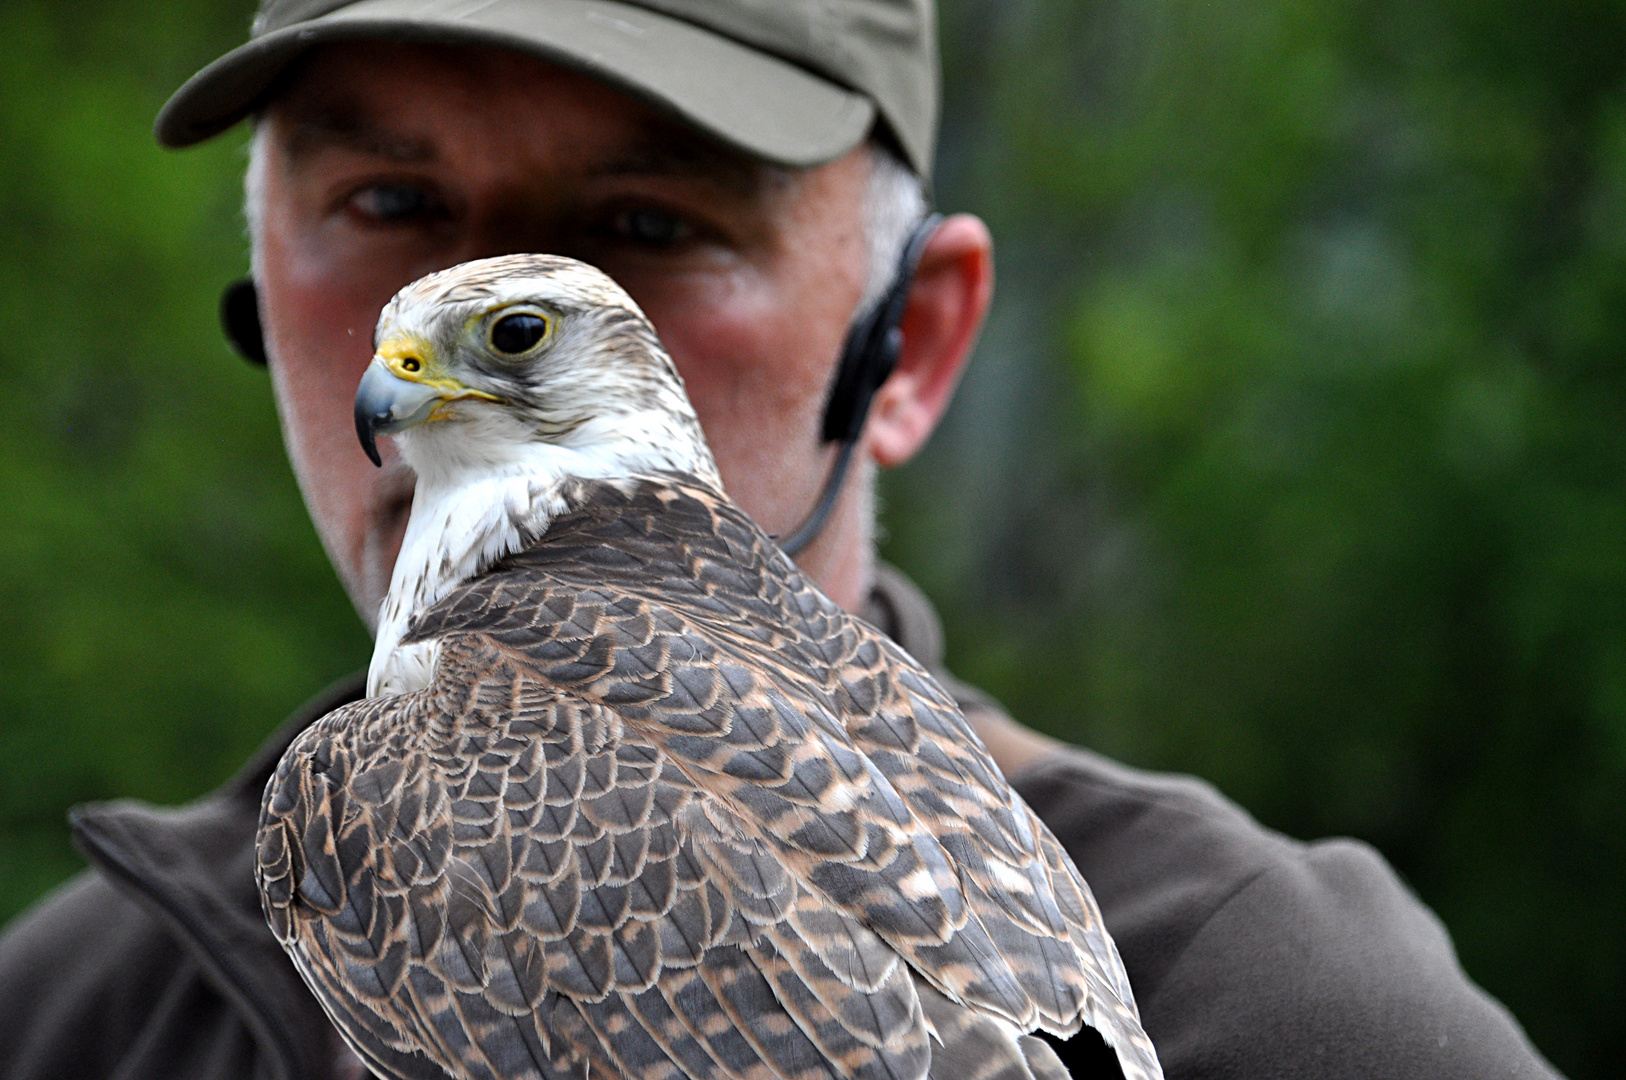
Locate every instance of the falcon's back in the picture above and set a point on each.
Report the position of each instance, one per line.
(665, 811)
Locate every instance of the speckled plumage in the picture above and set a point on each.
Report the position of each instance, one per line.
(664, 811)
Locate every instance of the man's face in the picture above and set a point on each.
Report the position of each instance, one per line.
(386, 162)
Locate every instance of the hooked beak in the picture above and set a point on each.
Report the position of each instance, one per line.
(387, 403)
(401, 389)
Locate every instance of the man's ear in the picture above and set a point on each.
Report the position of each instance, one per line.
(947, 303)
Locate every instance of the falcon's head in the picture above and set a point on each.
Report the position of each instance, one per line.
(505, 365)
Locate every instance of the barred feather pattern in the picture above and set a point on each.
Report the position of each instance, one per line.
(667, 812)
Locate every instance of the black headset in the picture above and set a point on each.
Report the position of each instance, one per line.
(240, 318)
(874, 342)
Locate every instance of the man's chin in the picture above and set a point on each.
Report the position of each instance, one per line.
(384, 522)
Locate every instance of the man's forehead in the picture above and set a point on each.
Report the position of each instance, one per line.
(330, 104)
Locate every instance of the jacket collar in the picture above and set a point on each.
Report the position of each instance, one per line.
(192, 866)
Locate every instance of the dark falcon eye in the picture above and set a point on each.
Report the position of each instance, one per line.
(514, 334)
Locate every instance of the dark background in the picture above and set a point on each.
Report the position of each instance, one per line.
(1294, 455)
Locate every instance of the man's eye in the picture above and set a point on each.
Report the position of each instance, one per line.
(647, 225)
(393, 202)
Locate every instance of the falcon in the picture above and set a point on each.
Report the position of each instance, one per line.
(629, 796)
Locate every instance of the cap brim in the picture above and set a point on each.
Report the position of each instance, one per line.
(767, 107)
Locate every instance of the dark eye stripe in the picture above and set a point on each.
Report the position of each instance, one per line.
(514, 334)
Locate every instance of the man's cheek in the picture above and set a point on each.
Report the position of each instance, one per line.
(323, 341)
(746, 347)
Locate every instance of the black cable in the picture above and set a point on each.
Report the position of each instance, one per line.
(814, 523)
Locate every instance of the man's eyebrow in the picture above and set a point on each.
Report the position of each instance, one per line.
(350, 133)
(672, 155)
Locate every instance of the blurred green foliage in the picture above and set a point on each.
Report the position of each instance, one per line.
(163, 598)
(1294, 455)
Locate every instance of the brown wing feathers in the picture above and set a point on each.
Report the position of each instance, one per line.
(667, 812)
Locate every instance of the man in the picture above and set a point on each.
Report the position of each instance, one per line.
(749, 171)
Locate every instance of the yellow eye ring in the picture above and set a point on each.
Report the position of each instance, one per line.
(410, 363)
(518, 332)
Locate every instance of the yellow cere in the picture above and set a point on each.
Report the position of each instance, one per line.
(412, 359)
(407, 358)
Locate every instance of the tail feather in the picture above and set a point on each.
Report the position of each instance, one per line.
(971, 1045)
(1042, 1060)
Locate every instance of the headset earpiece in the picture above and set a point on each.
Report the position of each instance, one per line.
(240, 319)
(873, 344)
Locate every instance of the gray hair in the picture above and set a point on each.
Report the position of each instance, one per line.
(894, 204)
(254, 195)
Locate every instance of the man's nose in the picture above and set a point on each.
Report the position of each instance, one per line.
(513, 225)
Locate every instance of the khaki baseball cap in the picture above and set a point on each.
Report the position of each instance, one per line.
(794, 82)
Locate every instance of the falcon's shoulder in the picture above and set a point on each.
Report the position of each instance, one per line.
(669, 544)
